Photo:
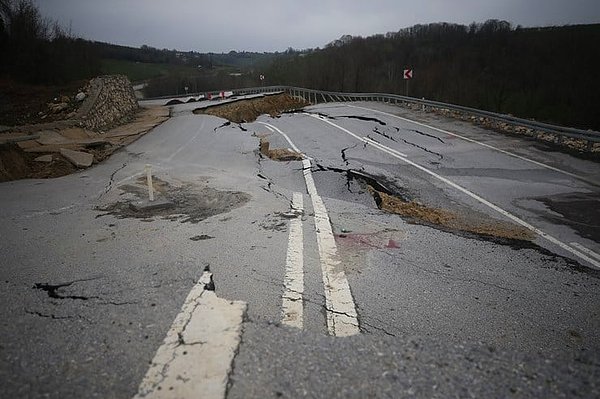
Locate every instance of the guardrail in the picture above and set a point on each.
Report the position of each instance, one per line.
(320, 96)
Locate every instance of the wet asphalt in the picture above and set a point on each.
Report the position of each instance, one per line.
(89, 290)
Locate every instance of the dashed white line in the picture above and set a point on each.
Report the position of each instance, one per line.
(595, 264)
(342, 319)
(293, 283)
(543, 165)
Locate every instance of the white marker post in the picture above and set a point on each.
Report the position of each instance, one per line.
(148, 169)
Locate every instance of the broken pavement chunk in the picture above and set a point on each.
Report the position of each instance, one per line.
(78, 158)
(44, 158)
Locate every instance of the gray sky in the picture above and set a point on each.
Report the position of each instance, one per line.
(274, 25)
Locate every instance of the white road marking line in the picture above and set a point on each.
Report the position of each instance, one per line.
(194, 360)
(543, 165)
(342, 319)
(271, 127)
(586, 250)
(382, 148)
(294, 271)
(476, 197)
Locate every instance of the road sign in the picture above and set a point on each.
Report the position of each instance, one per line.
(408, 74)
(262, 77)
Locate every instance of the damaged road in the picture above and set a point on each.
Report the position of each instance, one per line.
(276, 235)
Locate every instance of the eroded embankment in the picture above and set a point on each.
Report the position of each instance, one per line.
(456, 220)
(449, 220)
(245, 111)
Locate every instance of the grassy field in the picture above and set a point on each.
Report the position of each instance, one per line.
(138, 71)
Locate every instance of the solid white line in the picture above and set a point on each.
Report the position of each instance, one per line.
(543, 165)
(509, 215)
(586, 250)
(195, 358)
(381, 147)
(294, 271)
(342, 319)
(283, 134)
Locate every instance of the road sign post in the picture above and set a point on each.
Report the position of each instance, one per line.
(407, 75)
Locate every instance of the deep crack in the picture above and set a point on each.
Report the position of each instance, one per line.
(425, 134)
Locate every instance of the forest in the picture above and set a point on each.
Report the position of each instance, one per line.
(548, 74)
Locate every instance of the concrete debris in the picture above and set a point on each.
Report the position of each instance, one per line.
(44, 158)
(78, 158)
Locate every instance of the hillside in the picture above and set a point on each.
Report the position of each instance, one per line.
(547, 74)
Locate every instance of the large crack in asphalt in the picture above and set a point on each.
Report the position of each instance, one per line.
(393, 199)
(54, 290)
(387, 136)
(384, 134)
(344, 158)
(363, 118)
(425, 134)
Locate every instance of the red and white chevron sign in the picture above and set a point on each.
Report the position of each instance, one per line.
(408, 74)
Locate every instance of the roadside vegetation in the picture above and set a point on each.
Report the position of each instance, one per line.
(548, 74)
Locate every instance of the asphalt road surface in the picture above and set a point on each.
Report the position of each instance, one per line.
(407, 255)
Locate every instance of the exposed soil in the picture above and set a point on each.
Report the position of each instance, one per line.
(16, 164)
(245, 111)
(279, 154)
(190, 203)
(449, 220)
(22, 104)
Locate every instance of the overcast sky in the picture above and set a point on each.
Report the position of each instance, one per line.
(275, 25)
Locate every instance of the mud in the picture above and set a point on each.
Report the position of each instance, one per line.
(191, 203)
(245, 111)
(278, 154)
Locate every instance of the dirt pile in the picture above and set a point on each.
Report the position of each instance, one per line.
(449, 220)
(279, 154)
(248, 110)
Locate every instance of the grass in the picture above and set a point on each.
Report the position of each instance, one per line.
(138, 71)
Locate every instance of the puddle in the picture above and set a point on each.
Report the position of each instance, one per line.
(190, 203)
(581, 211)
